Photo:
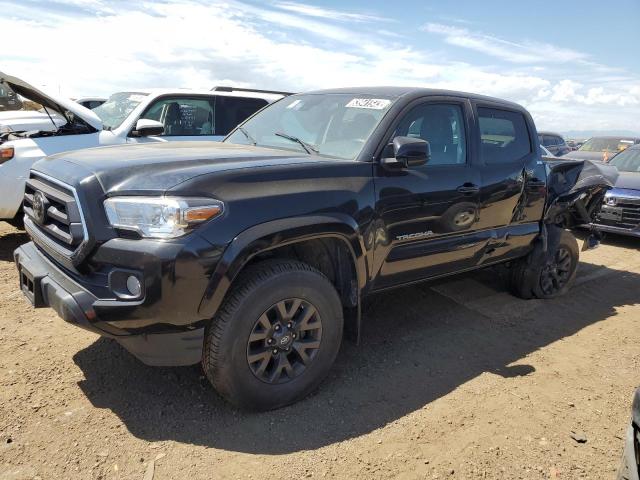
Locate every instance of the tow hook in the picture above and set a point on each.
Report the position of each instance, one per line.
(592, 241)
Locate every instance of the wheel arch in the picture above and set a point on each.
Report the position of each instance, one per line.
(298, 237)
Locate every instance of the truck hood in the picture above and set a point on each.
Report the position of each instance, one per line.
(23, 120)
(157, 167)
(53, 102)
(628, 180)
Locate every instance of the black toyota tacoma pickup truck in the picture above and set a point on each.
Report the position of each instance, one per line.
(253, 256)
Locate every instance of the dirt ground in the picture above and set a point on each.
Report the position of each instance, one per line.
(455, 379)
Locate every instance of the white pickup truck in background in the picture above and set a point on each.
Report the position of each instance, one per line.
(155, 115)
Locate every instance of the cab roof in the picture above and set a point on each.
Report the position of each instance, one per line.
(156, 92)
(413, 92)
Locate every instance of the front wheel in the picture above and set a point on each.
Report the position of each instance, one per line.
(550, 273)
(276, 336)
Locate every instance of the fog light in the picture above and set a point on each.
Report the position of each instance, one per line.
(133, 285)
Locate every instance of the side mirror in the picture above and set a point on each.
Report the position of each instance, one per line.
(146, 128)
(408, 152)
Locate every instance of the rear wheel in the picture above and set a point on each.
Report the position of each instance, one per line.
(550, 273)
(275, 337)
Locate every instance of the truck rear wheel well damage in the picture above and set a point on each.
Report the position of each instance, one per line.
(334, 259)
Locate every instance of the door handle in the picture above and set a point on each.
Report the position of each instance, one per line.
(468, 188)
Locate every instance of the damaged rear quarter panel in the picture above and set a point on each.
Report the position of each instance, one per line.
(576, 190)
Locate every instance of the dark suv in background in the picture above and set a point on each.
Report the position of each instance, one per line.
(554, 143)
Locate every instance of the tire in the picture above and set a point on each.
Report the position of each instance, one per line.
(254, 309)
(546, 274)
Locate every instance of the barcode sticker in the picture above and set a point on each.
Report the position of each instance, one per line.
(371, 103)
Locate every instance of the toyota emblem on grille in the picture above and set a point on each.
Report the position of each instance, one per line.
(39, 206)
(611, 201)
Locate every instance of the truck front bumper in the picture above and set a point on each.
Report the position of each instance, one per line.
(46, 285)
(632, 232)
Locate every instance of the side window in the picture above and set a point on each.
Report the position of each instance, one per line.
(504, 136)
(442, 125)
(549, 141)
(560, 141)
(183, 116)
(232, 111)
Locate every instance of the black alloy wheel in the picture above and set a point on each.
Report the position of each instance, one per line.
(276, 335)
(284, 341)
(556, 273)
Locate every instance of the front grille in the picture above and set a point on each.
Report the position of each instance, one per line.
(630, 218)
(53, 209)
(630, 211)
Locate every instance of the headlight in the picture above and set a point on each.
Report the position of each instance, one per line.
(160, 217)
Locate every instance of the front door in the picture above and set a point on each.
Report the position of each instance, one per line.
(427, 216)
(198, 117)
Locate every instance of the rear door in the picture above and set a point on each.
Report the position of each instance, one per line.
(513, 179)
(427, 215)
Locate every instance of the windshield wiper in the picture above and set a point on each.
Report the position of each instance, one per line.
(249, 137)
(307, 147)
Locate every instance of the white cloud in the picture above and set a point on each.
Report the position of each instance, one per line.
(567, 91)
(102, 48)
(326, 13)
(526, 52)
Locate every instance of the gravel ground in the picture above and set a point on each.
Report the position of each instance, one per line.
(455, 379)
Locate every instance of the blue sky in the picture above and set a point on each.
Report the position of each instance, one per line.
(574, 64)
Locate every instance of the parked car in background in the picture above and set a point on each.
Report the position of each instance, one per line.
(554, 143)
(620, 212)
(575, 144)
(143, 116)
(630, 462)
(601, 149)
(91, 102)
(30, 120)
(253, 255)
(8, 99)
(41, 119)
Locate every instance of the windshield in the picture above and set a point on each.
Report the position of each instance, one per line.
(118, 107)
(627, 161)
(334, 125)
(605, 145)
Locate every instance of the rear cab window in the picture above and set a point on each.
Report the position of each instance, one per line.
(504, 136)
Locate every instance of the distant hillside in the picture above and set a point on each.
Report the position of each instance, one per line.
(599, 133)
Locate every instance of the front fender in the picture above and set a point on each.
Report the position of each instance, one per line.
(277, 233)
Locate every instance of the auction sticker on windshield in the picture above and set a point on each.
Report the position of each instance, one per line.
(372, 103)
